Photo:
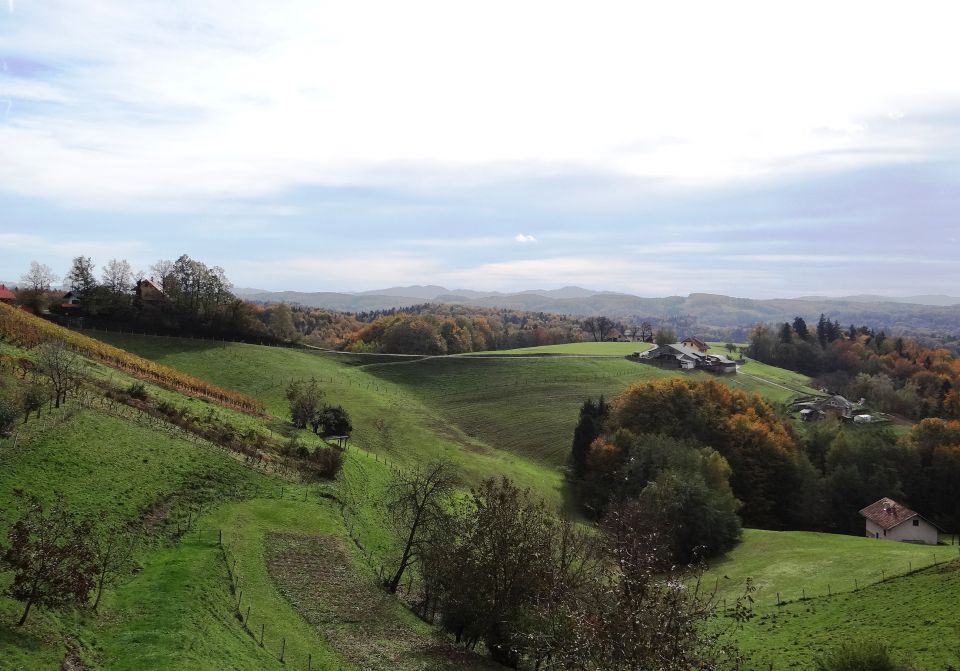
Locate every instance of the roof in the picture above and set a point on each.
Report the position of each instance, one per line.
(887, 513)
(679, 349)
(696, 341)
(6, 294)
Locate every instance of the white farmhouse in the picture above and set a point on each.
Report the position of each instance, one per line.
(892, 521)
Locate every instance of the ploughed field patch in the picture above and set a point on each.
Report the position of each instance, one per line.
(316, 574)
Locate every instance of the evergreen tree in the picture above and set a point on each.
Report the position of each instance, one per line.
(589, 427)
(800, 328)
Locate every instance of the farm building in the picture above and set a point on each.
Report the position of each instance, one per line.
(149, 292)
(679, 355)
(695, 343)
(893, 521)
(817, 407)
(6, 296)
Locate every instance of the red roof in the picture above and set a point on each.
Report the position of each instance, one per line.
(887, 513)
(6, 294)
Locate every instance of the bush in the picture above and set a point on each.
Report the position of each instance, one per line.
(137, 390)
(9, 413)
(325, 462)
(862, 656)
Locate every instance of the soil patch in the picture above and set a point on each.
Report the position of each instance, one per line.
(365, 625)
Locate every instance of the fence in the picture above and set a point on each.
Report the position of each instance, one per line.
(777, 598)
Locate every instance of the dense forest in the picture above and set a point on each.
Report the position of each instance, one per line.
(700, 458)
(894, 374)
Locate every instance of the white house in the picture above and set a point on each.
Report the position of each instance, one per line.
(892, 521)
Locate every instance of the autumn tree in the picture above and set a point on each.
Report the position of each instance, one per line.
(51, 557)
(418, 505)
(640, 613)
(494, 570)
(61, 366)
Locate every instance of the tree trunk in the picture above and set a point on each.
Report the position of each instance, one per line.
(96, 602)
(26, 611)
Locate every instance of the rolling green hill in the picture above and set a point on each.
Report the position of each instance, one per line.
(917, 615)
(488, 416)
(798, 563)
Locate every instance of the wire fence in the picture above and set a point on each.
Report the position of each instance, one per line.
(775, 598)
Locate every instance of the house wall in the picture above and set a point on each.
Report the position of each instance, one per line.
(924, 532)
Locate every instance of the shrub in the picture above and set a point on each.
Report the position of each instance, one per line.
(9, 413)
(862, 656)
(137, 390)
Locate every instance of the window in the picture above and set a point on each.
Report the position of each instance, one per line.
(916, 523)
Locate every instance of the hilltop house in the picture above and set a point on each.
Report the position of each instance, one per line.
(6, 296)
(695, 343)
(679, 355)
(892, 521)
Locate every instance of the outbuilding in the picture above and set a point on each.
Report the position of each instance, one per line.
(6, 296)
(892, 521)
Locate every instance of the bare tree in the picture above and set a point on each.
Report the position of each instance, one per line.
(598, 327)
(61, 366)
(646, 332)
(117, 275)
(418, 504)
(160, 271)
(39, 277)
(113, 554)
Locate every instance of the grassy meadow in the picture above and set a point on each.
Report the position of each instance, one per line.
(306, 565)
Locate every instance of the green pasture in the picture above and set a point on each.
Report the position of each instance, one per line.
(802, 563)
(574, 349)
(918, 616)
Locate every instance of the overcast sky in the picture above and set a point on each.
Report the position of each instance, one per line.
(749, 148)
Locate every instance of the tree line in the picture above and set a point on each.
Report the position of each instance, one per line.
(702, 458)
(894, 374)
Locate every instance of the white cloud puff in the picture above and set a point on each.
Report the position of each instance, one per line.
(520, 237)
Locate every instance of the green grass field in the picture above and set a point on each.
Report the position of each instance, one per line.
(415, 432)
(798, 563)
(487, 416)
(574, 349)
(917, 615)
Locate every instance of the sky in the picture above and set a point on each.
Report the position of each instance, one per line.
(753, 149)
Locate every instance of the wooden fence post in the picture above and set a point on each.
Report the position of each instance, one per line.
(261, 633)
(283, 649)
(247, 618)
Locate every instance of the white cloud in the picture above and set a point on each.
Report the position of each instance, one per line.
(521, 238)
(182, 102)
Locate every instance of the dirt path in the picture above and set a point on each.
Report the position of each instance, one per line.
(317, 576)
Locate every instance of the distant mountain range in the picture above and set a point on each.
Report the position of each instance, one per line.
(706, 312)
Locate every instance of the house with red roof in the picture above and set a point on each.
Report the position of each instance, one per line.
(892, 521)
(6, 296)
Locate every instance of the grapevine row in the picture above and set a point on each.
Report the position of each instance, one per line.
(27, 330)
